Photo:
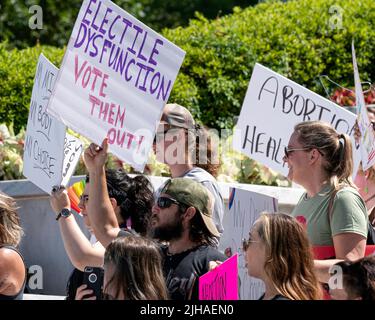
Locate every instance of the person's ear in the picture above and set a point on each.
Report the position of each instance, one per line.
(113, 202)
(189, 213)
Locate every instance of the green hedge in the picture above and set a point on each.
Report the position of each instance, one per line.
(17, 68)
(292, 38)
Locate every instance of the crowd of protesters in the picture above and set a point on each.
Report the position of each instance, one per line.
(154, 245)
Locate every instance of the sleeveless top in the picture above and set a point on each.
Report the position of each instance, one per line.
(19, 295)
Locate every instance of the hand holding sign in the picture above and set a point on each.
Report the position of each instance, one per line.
(95, 156)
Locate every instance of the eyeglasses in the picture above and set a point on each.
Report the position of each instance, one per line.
(164, 202)
(246, 243)
(288, 151)
(84, 198)
(163, 133)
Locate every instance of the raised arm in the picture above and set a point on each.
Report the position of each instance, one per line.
(100, 210)
(79, 249)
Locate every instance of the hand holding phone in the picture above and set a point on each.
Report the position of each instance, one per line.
(93, 278)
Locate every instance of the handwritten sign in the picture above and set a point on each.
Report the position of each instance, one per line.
(220, 283)
(367, 144)
(115, 79)
(73, 148)
(244, 209)
(272, 107)
(44, 141)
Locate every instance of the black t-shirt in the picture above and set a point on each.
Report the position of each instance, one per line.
(276, 297)
(182, 270)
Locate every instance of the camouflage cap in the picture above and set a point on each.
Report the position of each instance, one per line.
(193, 194)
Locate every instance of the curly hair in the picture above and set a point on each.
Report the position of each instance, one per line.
(10, 229)
(134, 196)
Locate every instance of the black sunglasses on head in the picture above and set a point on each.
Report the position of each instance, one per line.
(164, 202)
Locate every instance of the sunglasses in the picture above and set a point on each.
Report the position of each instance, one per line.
(246, 243)
(84, 198)
(161, 134)
(164, 202)
(288, 151)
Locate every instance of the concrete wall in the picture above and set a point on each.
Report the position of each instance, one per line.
(42, 244)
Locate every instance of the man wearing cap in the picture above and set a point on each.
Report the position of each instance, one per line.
(176, 145)
(182, 216)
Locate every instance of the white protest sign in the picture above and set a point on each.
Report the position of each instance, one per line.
(244, 209)
(115, 79)
(272, 107)
(44, 141)
(367, 144)
(73, 148)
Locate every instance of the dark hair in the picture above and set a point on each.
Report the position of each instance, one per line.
(335, 148)
(359, 278)
(137, 265)
(134, 196)
(198, 230)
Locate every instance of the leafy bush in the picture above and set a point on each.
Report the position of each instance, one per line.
(299, 39)
(59, 17)
(17, 69)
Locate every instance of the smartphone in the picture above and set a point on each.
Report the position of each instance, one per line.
(93, 277)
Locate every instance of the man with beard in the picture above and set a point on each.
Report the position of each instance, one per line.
(182, 216)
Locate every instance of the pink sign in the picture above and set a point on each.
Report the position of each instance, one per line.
(220, 283)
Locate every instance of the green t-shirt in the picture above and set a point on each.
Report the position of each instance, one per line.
(349, 215)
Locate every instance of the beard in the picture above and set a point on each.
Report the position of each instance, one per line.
(172, 230)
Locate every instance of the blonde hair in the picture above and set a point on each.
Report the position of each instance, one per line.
(10, 229)
(289, 261)
(335, 148)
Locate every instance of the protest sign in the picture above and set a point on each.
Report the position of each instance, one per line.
(73, 149)
(115, 79)
(244, 209)
(272, 107)
(221, 283)
(367, 144)
(44, 141)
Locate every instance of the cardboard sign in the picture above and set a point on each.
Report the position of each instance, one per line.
(367, 144)
(73, 148)
(44, 141)
(115, 79)
(220, 283)
(244, 209)
(272, 107)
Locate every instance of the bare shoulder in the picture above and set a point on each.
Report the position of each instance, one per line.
(12, 271)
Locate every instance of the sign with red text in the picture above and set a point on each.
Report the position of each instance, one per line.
(273, 105)
(44, 141)
(221, 283)
(115, 79)
(244, 209)
(367, 143)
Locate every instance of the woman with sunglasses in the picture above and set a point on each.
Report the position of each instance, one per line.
(278, 252)
(131, 198)
(320, 160)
